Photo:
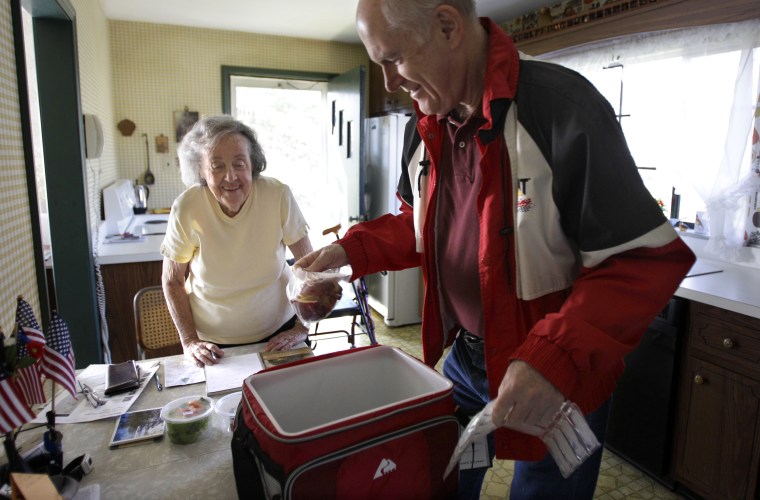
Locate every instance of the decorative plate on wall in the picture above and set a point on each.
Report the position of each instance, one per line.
(126, 127)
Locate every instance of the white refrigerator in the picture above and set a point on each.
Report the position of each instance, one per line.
(393, 294)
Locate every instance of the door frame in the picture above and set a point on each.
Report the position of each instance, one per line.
(55, 49)
(230, 71)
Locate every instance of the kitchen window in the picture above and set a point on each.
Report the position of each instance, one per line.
(686, 101)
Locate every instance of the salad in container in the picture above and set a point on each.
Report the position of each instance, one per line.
(187, 418)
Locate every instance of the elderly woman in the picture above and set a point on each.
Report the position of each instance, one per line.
(225, 271)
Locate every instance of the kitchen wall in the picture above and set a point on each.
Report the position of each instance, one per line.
(96, 88)
(142, 72)
(17, 274)
(160, 69)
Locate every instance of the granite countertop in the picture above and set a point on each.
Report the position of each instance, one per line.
(152, 469)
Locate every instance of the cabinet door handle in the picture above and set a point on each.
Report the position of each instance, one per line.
(728, 343)
(699, 380)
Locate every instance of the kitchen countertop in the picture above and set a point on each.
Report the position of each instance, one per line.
(736, 288)
(146, 250)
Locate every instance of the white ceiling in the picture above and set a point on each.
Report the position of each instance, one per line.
(317, 19)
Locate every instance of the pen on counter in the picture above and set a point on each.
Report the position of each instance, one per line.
(159, 387)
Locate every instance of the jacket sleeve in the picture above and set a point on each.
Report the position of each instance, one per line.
(386, 243)
(632, 261)
(606, 313)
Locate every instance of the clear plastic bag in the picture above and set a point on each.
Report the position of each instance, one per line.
(314, 294)
(569, 438)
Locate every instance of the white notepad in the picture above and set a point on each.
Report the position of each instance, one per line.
(230, 371)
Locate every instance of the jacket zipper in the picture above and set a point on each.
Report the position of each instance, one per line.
(507, 230)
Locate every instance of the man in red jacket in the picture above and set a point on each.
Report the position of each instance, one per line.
(544, 256)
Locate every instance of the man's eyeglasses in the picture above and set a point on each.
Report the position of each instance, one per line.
(91, 396)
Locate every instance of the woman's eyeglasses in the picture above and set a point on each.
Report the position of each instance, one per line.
(90, 395)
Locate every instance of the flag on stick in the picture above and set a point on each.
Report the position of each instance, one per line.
(58, 360)
(29, 342)
(14, 411)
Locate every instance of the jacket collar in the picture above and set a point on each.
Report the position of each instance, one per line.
(499, 86)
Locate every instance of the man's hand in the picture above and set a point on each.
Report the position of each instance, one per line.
(329, 257)
(526, 402)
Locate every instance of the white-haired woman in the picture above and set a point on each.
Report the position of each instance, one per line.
(225, 271)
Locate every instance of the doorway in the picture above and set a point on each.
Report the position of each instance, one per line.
(52, 46)
(309, 126)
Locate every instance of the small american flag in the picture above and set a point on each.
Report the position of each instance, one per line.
(14, 410)
(30, 342)
(58, 360)
(25, 315)
(29, 336)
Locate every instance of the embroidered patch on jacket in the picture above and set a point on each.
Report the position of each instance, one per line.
(524, 203)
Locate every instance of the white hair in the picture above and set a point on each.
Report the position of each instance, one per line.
(202, 138)
(413, 16)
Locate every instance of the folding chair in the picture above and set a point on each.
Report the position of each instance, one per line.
(353, 303)
(156, 334)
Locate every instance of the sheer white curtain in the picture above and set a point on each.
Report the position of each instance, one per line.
(690, 97)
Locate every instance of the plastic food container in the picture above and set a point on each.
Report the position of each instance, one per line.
(187, 418)
(226, 408)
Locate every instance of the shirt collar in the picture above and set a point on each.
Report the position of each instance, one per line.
(500, 81)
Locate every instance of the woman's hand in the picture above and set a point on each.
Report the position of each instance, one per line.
(203, 353)
(287, 339)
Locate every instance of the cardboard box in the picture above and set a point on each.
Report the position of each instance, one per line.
(33, 487)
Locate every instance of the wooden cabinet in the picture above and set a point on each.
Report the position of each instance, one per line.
(121, 283)
(717, 438)
(381, 101)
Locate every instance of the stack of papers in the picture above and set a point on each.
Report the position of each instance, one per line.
(230, 372)
(71, 411)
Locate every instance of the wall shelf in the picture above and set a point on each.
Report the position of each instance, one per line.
(631, 17)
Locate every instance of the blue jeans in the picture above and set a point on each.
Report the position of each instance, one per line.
(532, 480)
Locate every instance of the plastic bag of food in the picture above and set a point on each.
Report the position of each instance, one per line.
(314, 294)
(569, 438)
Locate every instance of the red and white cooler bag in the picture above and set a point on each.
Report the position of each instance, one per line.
(368, 422)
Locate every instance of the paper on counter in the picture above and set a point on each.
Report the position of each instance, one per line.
(82, 411)
(230, 372)
(180, 370)
(237, 364)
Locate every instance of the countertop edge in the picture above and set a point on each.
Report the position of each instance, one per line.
(148, 250)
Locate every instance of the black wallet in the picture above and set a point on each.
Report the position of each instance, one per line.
(122, 377)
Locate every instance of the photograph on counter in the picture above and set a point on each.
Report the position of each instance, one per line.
(138, 425)
(275, 358)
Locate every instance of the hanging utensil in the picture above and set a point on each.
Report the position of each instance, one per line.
(148, 177)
